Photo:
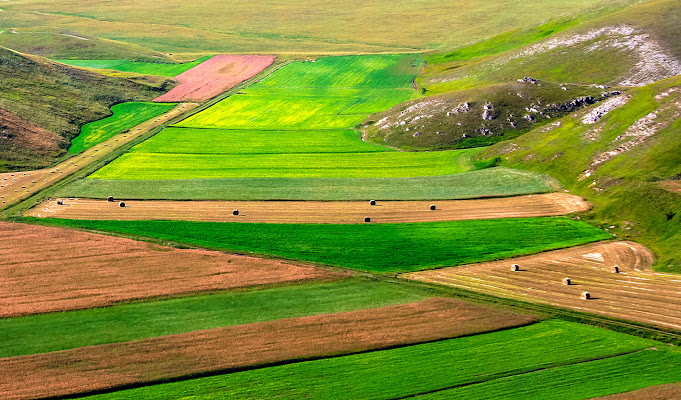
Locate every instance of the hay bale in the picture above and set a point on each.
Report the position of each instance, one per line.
(432, 207)
(60, 202)
(121, 204)
(367, 219)
(567, 281)
(235, 212)
(372, 202)
(515, 267)
(110, 198)
(615, 269)
(586, 295)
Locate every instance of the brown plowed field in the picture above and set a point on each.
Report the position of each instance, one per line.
(659, 392)
(636, 293)
(340, 212)
(218, 350)
(15, 186)
(45, 269)
(214, 76)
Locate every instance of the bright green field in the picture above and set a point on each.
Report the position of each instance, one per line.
(425, 368)
(386, 248)
(485, 182)
(146, 68)
(214, 141)
(125, 116)
(67, 330)
(138, 165)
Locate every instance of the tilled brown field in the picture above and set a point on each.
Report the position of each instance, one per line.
(219, 350)
(636, 293)
(339, 212)
(45, 269)
(660, 392)
(16, 186)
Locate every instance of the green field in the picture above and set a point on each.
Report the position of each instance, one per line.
(383, 248)
(145, 68)
(125, 116)
(126, 322)
(485, 182)
(237, 141)
(138, 165)
(425, 368)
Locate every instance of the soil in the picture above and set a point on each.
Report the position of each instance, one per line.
(44, 269)
(26, 135)
(635, 293)
(342, 212)
(659, 392)
(16, 186)
(214, 76)
(220, 350)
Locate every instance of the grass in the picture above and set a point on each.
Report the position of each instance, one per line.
(137, 165)
(467, 185)
(126, 322)
(383, 248)
(417, 369)
(125, 116)
(145, 68)
(324, 27)
(237, 141)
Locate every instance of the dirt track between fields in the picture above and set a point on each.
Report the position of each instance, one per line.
(340, 212)
(16, 186)
(45, 269)
(636, 293)
(219, 350)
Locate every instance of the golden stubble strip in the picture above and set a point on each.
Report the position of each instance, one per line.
(330, 212)
(220, 350)
(44, 269)
(16, 186)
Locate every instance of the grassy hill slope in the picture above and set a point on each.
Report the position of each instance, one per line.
(625, 157)
(55, 98)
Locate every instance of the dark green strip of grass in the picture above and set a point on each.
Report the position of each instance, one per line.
(409, 370)
(384, 248)
(125, 322)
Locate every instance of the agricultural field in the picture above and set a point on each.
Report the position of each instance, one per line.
(635, 293)
(215, 76)
(139, 67)
(125, 116)
(311, 212)
(100, 271)
(381, 248)
(534, 355)
(162, 358)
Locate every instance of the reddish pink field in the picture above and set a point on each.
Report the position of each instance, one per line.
(214, 76)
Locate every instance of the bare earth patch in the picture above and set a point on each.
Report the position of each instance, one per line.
(660, 392)
(214, 76)
(339, 212)
(223, 349)
(45, 269)
(635, 293)
(16, 186)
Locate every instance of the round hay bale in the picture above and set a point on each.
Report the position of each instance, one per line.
(110, 198)
(367, 219)
(235, 212)
(432, 207)
(567, 281)
(121, 204)
(60, 202)
(515, 267)
(372, 202)
(586, 295)
(615, 269)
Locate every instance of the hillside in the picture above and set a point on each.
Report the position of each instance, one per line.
(530, 77)
(624, 156)
(43, 105)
